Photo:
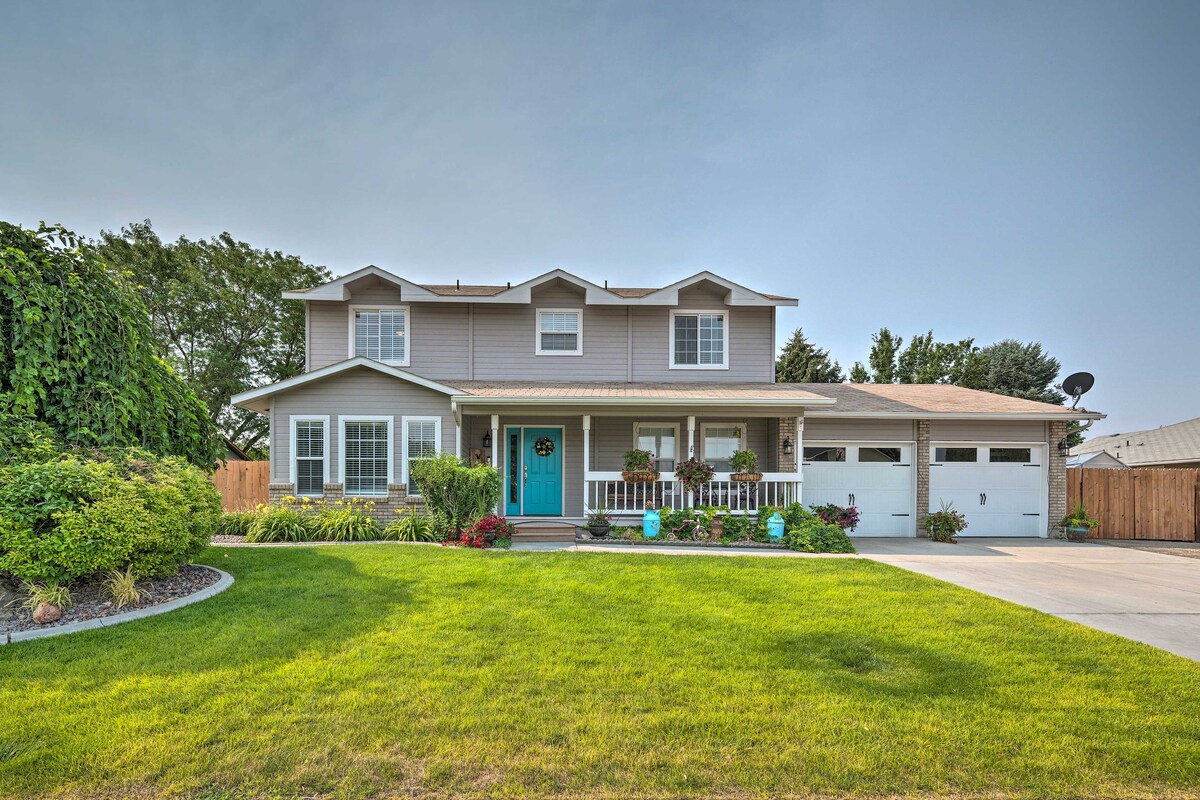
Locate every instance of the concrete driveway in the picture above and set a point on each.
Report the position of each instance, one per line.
(1149, 597)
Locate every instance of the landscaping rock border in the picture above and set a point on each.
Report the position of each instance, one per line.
(223, 582)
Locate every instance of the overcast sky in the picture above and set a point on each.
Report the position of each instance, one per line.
(1027, 170)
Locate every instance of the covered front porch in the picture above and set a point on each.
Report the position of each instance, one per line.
(562, 465)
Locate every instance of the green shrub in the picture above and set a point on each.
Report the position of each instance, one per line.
(63, 519)
(814, 536)
(235, 523)
(456, 492)
(282, 523)
(343, 521)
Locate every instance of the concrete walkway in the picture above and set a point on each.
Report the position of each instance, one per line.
(1148, 597)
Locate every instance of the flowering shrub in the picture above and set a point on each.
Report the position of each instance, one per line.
(485, 531)
(694, 473)
(943, 525)
(844, 518)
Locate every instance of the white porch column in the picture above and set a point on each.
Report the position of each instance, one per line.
(800, 458)
(457, 430)
(691, 437)
(587, 457)
(496, 453)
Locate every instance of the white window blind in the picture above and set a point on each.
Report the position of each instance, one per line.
(559, 332)
(381, 334)
(310, 457)
(366, 457)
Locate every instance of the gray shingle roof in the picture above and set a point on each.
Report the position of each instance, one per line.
(1166, 445)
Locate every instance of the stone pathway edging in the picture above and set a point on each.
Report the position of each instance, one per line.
(223, 583)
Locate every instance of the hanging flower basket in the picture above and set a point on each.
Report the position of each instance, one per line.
(544, 446)
(745, 467)
(639, 467)
(746, 477)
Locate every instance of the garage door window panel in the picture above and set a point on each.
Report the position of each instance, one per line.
(1010, 455)
(879, 455)
(825, 454)
(956, 455)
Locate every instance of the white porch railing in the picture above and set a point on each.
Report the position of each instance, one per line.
(607, 490)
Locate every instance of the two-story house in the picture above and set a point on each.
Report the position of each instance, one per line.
(553, 379)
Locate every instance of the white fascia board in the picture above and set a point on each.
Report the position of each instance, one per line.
(254, 399)
(470, 399)
(337, 289)
(1027, 415)
(736, 294)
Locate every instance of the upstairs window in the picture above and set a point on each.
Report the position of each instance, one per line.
(559, 332)
(699, 340)
(380, 333)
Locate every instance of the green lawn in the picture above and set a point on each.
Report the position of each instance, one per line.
(407, 670)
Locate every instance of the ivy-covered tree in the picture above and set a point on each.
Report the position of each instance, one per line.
(803, 362)
(882, 358)
(78, 354)
(216, 309)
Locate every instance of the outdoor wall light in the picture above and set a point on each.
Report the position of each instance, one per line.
(487, 439)
(787, 446)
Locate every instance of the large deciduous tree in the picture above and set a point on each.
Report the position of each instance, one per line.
(216, 308)
(78, 357)
(882, 358)
(803, 362)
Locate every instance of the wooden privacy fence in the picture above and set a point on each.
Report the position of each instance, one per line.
(1139, 503)
(242, 484)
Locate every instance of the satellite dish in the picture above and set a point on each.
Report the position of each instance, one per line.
(1077, 385)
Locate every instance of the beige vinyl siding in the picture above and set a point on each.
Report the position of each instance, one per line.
(359, 392)
(612, 436)
(987, 430)
(505, 338)
(860, 430)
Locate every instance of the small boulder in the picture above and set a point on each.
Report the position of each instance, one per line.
(46, 613)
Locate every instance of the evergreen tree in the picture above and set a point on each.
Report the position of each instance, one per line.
(803, 362)
(859, 374)
(883, 354)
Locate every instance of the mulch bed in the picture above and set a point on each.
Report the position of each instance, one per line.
(88, 601)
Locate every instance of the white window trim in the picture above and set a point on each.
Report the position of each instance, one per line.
(437, 444)
(342, 420)
(649, 423)
(722, 313)
(292, 420)
(704, 426)
(407, 331)
(537, 342)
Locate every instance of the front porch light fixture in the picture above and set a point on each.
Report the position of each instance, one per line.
(787, 445)
(487, 439)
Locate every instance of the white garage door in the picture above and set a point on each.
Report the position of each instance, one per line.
(1000, 488)
(875, 477)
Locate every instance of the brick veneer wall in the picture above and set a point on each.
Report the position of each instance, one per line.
(383, 512)
(1057, 462)
(787, 430)
(922, 457)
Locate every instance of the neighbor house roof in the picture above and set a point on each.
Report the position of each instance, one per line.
(735, 294)
(1099, 458)
(1170, 444)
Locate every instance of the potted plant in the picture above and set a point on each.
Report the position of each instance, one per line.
(1077, 525)
(944, 525)
(598, 522)
(639, 467)
(743, 466)
(694, 473)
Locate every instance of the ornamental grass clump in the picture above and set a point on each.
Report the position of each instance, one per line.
(347, 520)
(409, 526)
(279, 523)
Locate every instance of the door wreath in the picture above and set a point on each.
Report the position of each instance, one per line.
(543, 446)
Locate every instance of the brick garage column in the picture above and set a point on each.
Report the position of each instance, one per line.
(787, 430)
(922, 458)
(1057, 473)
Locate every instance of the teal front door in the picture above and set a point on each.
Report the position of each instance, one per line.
(535, 471)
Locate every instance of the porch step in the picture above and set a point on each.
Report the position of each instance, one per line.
(544, 532)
